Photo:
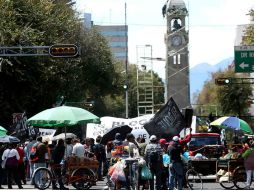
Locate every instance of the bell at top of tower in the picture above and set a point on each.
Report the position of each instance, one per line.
(174, 6)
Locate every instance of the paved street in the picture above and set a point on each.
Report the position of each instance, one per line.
(102, 185)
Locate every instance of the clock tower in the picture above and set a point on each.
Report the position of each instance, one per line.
(177, 54)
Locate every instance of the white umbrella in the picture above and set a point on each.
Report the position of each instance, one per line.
(9, 139)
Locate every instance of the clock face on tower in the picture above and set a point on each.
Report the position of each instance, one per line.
(176, 40)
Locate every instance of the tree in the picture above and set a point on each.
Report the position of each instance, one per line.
(248, 38)
(232, 98)
(34, 83)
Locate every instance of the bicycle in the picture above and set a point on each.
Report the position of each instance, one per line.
(133, 171)
(193, 178)
(81, 177)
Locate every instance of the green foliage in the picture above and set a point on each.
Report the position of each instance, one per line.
(248, 38)
(232, 99)
(33, 84)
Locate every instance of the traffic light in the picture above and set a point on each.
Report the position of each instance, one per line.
(125, 86)
(223, 81)
(63, 50)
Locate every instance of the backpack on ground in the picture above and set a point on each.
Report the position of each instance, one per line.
(33, 153)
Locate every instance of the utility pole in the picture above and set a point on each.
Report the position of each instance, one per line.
(126, 67)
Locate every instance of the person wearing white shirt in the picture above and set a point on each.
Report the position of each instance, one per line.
(78, 149)
(11, 152)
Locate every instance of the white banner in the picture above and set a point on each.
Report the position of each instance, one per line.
(49, 132)
(93, 130)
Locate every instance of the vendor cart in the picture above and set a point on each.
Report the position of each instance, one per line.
(198, 169)
(231, 173)
(81, 172)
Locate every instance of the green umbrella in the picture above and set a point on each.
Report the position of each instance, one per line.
(3, 131)
(62, 116)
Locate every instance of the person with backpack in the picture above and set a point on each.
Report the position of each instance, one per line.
(176, 168)
(38, 155)
(100, 154)
(153, 156)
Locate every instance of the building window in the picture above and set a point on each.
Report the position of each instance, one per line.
(117, 44)
(174, 59)
(179, 59)
(113, 33)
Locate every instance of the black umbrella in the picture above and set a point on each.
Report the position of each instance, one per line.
(110, 134)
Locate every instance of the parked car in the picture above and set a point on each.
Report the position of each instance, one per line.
(208, 144)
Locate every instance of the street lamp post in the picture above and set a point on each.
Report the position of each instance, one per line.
(126, 86)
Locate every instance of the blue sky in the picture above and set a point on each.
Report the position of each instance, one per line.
(212, 26)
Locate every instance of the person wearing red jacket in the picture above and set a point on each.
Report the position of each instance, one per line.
(183, 141)
(21, 164)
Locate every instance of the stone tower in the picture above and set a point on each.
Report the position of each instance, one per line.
(177, 54)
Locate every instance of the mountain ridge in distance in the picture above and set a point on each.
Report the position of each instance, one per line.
(201, 73)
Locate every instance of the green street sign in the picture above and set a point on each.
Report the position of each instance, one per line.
(244, 59)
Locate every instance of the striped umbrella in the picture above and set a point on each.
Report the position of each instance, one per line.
(233, 123)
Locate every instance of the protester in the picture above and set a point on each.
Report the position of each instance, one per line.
(29, 146)
(153, 156)
(21, 164)
(165, 173)
(69, 148)
(100, 154)
(248, 156)
(12, 156)
(38, 156)
(41, 153)
(118, 141)
(183, 141)
(130, 141)
(78, 149)
(26, 161)
(176, 170)
(1, 169)
(109, 148)
(142, 146)
(57, 157)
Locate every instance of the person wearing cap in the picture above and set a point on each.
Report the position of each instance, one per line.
(176, 171)
(155, 167)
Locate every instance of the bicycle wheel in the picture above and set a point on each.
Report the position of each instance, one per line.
(194, 180)
(239, 177)
(42, 178)
(227, 184)
(83, 178)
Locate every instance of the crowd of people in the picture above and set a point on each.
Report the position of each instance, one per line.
(164, 159)
(34, 153)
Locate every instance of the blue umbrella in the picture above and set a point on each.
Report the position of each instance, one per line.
(9, 139)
